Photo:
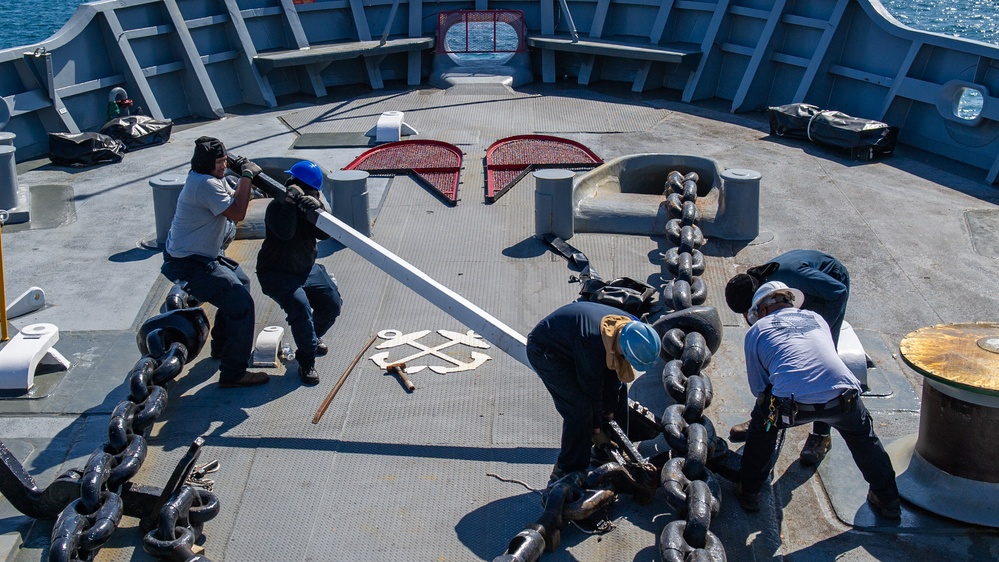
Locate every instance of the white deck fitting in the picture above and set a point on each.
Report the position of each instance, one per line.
(29, 301)
(267, 346)
(20, 357)
(851, 351)
(390, 127)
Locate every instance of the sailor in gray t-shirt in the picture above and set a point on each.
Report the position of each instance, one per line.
(815, 375)
(193, 257)
(198, 226)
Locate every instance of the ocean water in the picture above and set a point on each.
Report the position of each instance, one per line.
(26, 22)
(968, 19)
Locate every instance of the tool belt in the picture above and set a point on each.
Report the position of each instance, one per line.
(782, 413)
(204, 261)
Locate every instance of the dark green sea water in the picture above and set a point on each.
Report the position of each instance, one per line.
(23, 22)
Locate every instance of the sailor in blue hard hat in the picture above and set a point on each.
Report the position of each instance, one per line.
(584, 353)
(308, 173)
(287, 268)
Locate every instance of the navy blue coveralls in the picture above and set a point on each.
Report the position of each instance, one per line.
(567, 352)
(288, 273)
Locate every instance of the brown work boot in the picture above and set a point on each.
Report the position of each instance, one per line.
(737, 434)
(248, 378)
(889, 509)
(815, 449)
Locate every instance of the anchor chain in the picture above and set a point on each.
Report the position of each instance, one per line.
(691, 333)
(90, 502)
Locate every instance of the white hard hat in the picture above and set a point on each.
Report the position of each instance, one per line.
(769, 289)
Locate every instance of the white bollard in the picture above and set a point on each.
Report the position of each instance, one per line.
(265, 350)
(20, 357)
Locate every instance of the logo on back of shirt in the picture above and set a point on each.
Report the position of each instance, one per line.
(795, 321)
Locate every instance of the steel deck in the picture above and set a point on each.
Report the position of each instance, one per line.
(387, 474)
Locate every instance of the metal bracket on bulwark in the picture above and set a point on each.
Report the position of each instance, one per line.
(395, 338)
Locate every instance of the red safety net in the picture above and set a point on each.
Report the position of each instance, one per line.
(510, 159)
(485, 31)
(436, 163)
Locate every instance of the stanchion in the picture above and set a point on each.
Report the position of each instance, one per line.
(4, 336)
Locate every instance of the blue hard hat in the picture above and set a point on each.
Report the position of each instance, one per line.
(640, 344)
(309, 173)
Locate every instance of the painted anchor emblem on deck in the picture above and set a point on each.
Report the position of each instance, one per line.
(396, 338)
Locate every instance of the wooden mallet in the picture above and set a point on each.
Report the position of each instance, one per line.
(399, 369)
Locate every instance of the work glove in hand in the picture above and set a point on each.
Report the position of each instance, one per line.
(308, 204)
(601, 440)
(292, 193)
(250, 170)
(236, 164)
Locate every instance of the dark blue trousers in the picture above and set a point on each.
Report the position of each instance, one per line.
(221, 283)
(855, 427)
(311, 302)
(574, 405)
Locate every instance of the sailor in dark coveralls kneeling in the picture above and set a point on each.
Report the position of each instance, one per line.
(584, 352)
(798, 378)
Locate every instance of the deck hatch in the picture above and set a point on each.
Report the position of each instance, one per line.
(508, 160)
(436, 163)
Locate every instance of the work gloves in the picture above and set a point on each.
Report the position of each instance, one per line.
(236, 164)
(601, 439)
(244, 167)
(292, 193)
(307, 204)
(250, 170)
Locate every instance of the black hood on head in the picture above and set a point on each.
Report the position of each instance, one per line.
(206, 151)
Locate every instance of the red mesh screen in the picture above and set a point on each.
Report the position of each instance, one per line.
(436, 163)
(485, 31)
(510, 159)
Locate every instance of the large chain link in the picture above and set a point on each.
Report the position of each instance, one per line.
(88, 522)
(692, 491)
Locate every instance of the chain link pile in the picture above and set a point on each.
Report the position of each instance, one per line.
(690, 335)
(86, 524)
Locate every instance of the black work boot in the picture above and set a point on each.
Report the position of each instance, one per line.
(889, 509)
(748, 501)
(321, 348)
(815, 449)
(308, 374)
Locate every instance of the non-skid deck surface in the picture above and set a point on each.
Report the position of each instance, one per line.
(391, 475)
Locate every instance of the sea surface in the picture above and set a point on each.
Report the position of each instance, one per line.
(25, 22)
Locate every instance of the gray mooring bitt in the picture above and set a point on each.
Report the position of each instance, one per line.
(625, 195)
(553, 212)
(166, 190)
(13, 200)
(347, 193)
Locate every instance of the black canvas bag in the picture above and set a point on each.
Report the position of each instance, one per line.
(84, 149)
(863, 139)
(138, 131)
(634, 297)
